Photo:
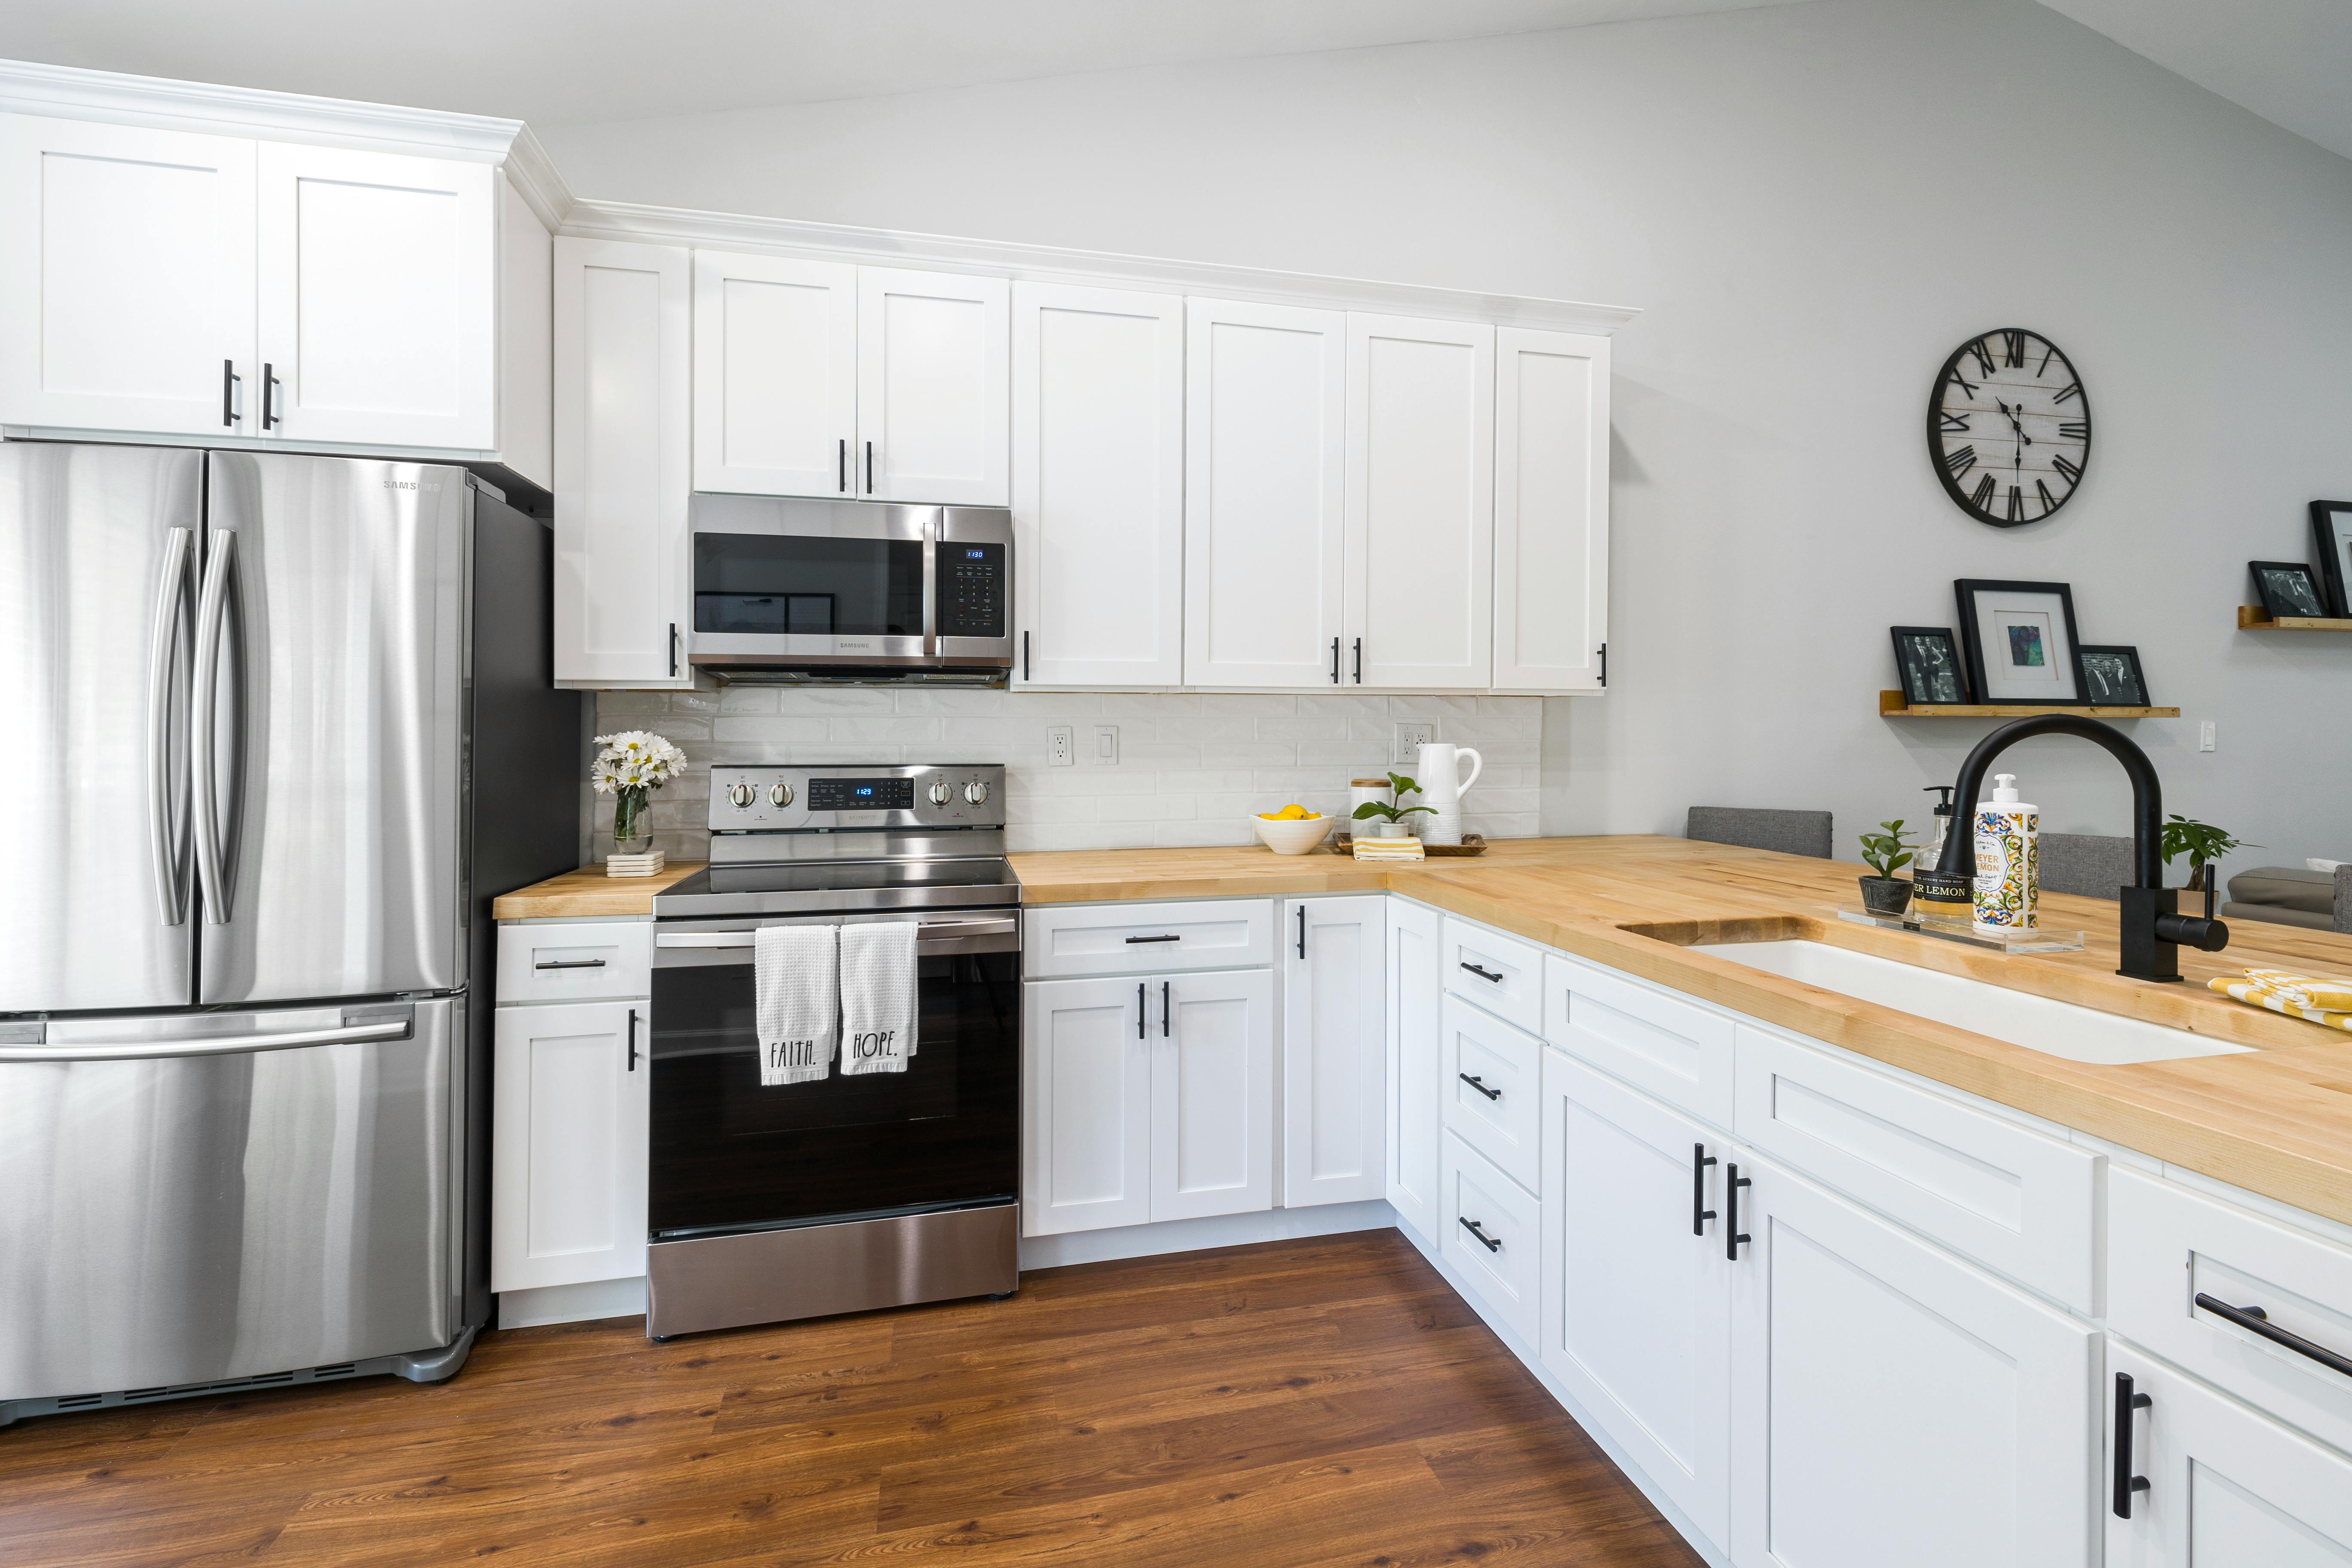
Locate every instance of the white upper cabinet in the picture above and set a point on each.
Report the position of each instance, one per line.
(1334, 986)
(933, 352)
(1551, 510)
(126, 278)
(1097, 486)
(378, 297)
(1265, 458)
(1420, 535)
(622, 585)
(775, 375)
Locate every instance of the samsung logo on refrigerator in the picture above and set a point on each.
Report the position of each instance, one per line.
(407, 485)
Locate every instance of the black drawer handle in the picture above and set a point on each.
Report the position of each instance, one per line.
(569, 963)
(1138, 1010)
(1700, 1215)
(1475, 1081)
(1134, 939)
(1491, 1243)
(1732, 1234)
(2127, 1483)
(1484, 974)
(2253, 1320)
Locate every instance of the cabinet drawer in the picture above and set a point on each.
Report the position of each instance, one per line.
(1500, 1270)
(2167, 1244)
(1145, 939)
(575, 962)
(1501, 973)
(1498, 1114)
(1679, 1052)
(2018, 1201)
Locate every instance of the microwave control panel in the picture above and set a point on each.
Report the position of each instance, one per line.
(973, 589)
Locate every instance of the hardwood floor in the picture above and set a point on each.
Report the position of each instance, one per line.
(1319, 1402)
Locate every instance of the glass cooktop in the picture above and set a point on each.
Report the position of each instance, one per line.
(769, 889)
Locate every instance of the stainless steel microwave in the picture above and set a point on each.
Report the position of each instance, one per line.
(791, 589)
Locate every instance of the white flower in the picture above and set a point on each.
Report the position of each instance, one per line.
(635, 759)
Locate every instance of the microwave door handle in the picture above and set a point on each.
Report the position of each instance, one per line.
(931, 585)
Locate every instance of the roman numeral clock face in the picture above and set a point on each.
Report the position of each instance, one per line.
(2008, 428)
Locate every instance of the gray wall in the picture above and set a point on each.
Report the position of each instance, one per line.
(1812, 205)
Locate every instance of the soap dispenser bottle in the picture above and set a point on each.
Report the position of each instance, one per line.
(2009, 861)
(1935, 852)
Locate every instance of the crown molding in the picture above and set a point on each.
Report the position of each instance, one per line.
(536, 178)
(591, 219)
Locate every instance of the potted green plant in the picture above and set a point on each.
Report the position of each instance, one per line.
(1887, 851)
(1394, 816)
(2202, 842)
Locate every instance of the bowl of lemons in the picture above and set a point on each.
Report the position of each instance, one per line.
(1293, 830)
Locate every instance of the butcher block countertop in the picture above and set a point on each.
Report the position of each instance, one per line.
(2276, 1120)
(589, 892)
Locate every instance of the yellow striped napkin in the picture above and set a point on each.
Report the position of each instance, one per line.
(2333, 995)
(1387, 849)
(2254, 993)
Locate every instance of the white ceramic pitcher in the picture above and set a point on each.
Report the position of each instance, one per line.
(1437, 768)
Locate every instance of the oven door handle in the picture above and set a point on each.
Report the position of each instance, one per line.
(930, 934)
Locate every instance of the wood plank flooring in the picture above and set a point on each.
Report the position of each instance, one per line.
(1328, 1401)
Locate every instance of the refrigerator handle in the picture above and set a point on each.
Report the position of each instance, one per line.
(212, 616)
(167, 793)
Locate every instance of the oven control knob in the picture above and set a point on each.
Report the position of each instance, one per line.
(941, 794)
(741, 795)
(780, 795)
(975, 791)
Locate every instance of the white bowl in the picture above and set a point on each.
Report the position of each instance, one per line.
(1296, 835)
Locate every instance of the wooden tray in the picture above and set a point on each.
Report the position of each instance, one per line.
(1472, 844)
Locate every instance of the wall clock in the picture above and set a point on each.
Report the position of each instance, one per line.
(2008, 428)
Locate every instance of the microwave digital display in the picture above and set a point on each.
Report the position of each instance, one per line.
(861, 795)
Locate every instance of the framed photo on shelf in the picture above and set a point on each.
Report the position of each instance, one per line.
(1929, 662)
(2018, 641)
(2112, 678)
(2331, 529)
(2288, 588)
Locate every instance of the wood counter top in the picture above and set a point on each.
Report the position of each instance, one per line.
(590, 892)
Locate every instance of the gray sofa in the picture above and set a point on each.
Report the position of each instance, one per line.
(2316, 900)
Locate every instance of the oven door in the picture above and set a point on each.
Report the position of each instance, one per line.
(729, 1155)
(779, 582)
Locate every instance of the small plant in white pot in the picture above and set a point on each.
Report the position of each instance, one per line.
(1887, 851)
(1392, 818)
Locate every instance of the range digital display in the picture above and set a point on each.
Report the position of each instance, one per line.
(861, 795)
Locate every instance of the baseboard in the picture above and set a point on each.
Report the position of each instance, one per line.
(572, 1303)
(1194, 1234)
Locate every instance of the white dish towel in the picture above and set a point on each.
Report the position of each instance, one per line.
(796, 1001)
(877, 996)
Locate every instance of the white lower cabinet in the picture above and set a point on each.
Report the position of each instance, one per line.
(1891, 1404)
(2224, 1486)
(1212, 1094)
(1413, 1025)
(1334, 1129)
(570, 1102)
(1636, 1300)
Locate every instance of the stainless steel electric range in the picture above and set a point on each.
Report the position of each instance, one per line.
(847, 1194)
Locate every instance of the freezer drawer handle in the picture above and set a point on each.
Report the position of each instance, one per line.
(569, 963)
(1475, 1081)
(1491, 1243)
(212, 616)
(2255, 1320)
(167, 797)
(2127, 1483)
(215, 1046)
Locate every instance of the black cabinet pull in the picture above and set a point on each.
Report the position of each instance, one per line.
(268, 401)
(1359, 661)
(1604, 664)
(1732, 1234)
(1134, 939)
(1484, 974)
(632, 1039)
(1138, 1010)
(1302, 930)
(869, 468)
(1491, 1243)
(2127, 1483)
(1164, 1009)
(1475, 1081)
(1700, 1213)
(228, 393)
(1335, 661)
(1026, 674)
(2255, 1320)
(569, 963)
(841, 467)
(673, 650)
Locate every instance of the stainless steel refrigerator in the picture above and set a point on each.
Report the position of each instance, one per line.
(276, 727)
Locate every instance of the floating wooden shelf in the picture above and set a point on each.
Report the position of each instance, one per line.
(2250, 618)
(1891, 706)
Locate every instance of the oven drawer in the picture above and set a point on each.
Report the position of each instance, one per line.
(585, 960)
(1146, 938)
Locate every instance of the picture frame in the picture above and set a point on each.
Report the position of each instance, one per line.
(2018, 641)
(1927, 663)
(2289, 590)
(2331, 530)
(2112, 677)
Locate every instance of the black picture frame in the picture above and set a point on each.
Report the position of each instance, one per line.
(2276, 582)
(1938, 680)
(2060, 662)
(2331, 533)
(2112, 678)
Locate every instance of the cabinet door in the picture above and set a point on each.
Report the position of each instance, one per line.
(775, 375)
(1420, 502)
(1415, 1043)
(1097, 486)
(1212, 1038)
(1891, 1405)
(1551, 510)
(568, 1144)
(933, 387)
(621, 467)
(2227, 1488)
(126, 278)
(378, 297)
(1636, 1318)
(1265, 455)
(1334, 1125)
(1085, 1082)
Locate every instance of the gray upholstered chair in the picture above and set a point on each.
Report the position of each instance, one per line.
(2290, 896)
(1789, 832)
(2091, 864)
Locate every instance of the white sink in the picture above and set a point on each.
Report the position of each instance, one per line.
(2037, 1023)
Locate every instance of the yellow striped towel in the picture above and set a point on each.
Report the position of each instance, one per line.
(2332, 995)
(1387, 849)
(2256, 995)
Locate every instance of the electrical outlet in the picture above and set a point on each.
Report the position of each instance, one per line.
(2205, 736)
(1061, 746)
(1409, 737)
(1107, 745)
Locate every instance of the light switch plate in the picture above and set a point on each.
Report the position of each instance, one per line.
(1061, 747)
(1107, 745)
(2205, 736)
(1410, 736)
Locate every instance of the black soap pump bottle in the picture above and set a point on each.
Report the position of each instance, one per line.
(1939, 896)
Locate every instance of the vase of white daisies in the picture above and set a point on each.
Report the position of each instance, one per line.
(632, 765)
